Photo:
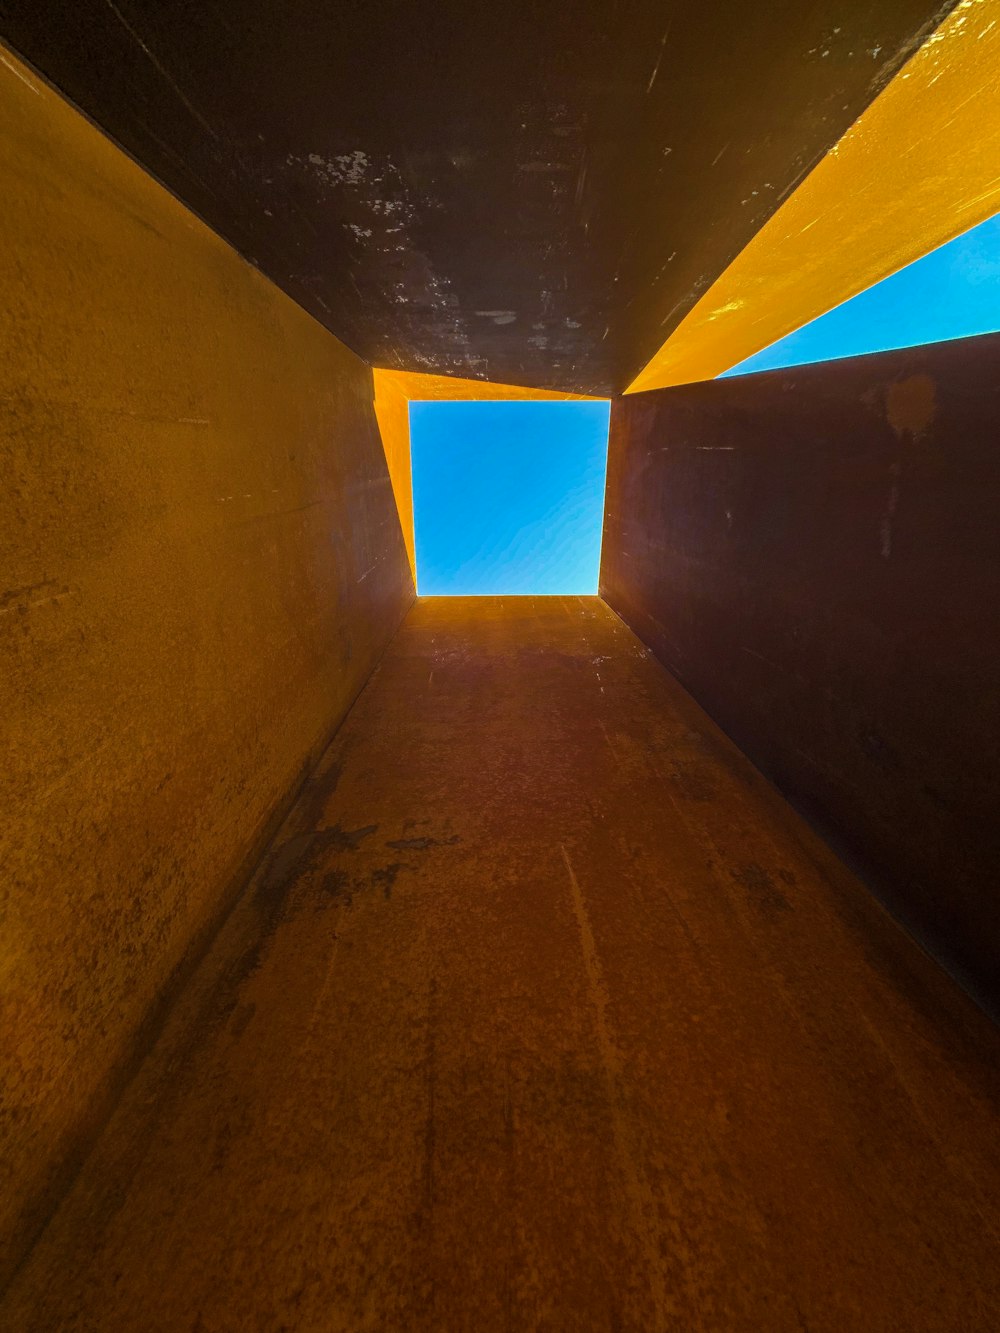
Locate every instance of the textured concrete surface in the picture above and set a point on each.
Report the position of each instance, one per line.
(545, 1012)
(200, 561)
(815, 554)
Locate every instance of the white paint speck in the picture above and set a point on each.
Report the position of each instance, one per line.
(498, 316)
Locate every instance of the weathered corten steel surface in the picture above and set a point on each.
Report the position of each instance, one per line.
(916, 169)
(544, 1012)
(815, 553)
(530, 193)
(201, 563)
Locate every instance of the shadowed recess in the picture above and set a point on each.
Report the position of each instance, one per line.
(508, 497)
(954, 292)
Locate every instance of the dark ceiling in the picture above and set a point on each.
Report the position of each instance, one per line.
(527, 192)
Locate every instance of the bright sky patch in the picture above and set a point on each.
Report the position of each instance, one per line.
(953, 292)
(508, 497)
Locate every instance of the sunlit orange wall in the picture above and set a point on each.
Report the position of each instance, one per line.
(201, 564)
(395, 390)
(920, 166)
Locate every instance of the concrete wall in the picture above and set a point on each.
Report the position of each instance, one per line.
(201, 564)
(815, 553)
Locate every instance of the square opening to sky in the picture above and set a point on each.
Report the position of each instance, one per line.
(508, 497)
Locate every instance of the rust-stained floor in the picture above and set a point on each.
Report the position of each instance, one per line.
(546, 1013)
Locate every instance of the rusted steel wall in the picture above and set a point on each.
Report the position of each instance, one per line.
(543, 1012)
(201, 564)
(533, 194)
(815, 553)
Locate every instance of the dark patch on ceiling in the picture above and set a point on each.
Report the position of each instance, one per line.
(526, 192)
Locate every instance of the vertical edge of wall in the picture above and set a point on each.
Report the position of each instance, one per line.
(201, 566)
(815, 555)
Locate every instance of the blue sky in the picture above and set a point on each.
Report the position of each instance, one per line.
(508, 497)
(953, 292)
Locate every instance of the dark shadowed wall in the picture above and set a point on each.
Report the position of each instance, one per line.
(815, 553)
(201, 565)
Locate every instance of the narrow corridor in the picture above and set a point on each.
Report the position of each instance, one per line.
(544, 1012)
